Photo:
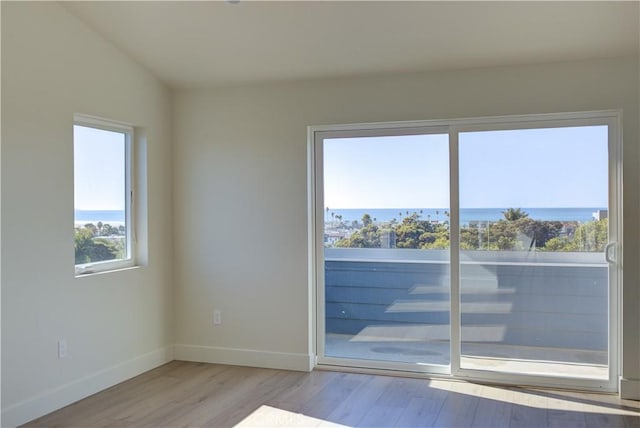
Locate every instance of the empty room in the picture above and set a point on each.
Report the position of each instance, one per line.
(320, 213)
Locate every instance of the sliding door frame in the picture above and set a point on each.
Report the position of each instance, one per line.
(453, 127)
(317, 136)
(611, 119)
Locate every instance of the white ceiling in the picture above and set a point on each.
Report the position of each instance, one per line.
(208, 44)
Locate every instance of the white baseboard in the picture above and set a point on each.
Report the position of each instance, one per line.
(630, 389)
(244, 357)
(78, 389)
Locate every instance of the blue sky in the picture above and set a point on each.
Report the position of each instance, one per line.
(554, 167)
(387, 172)
(99, 169)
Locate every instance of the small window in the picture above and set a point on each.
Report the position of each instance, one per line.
(102, 195)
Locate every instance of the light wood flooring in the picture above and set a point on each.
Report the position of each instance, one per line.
(182, 394)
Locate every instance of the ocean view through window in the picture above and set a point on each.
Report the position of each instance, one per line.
(484, 248)
(102, 195)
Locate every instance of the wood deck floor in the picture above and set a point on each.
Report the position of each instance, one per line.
(183, 394)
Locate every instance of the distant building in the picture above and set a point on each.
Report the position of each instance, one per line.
(568, 230)
(600, 215)
(333, 236)
(387, 239)
(478, 224)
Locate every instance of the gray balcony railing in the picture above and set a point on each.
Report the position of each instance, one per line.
(533, 299)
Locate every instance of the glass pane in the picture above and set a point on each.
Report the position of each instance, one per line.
(386, 241)
(534, 280)
(100, 201)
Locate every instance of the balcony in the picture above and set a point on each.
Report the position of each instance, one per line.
(533, 312)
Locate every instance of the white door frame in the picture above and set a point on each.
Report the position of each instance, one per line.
(316, 135)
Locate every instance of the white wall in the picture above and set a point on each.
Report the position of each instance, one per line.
(240, 159)
(116, 324)
(239, 169)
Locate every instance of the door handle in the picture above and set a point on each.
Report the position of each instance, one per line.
(607, 252)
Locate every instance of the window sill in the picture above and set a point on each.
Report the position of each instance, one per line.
(91, 273)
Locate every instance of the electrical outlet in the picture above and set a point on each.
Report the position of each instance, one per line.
(62, 349)
(217, 317)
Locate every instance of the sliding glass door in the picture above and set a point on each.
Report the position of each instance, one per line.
(482, 248)
(534, 227)
(385, 249)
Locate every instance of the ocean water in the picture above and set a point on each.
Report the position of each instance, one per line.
(387, 214)
(466, 214)
(94, 216)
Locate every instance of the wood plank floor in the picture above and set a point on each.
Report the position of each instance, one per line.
(182, 394)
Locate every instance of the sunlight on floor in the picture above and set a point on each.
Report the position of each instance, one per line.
(545, 399)
(267, 417)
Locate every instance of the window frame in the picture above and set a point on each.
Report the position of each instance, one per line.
(315, 205)
(128, 131)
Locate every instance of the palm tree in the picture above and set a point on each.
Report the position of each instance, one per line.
(514, 214)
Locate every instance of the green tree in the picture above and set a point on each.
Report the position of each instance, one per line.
(592, 236)
(367, 237)
(413, 232)
(518, 231)
(560, 244)
(504, 234)
(441, 243)
(504, 243)
(514, 214)
(89, 248)
(108, 230)
(468, 238)
(539, 231)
